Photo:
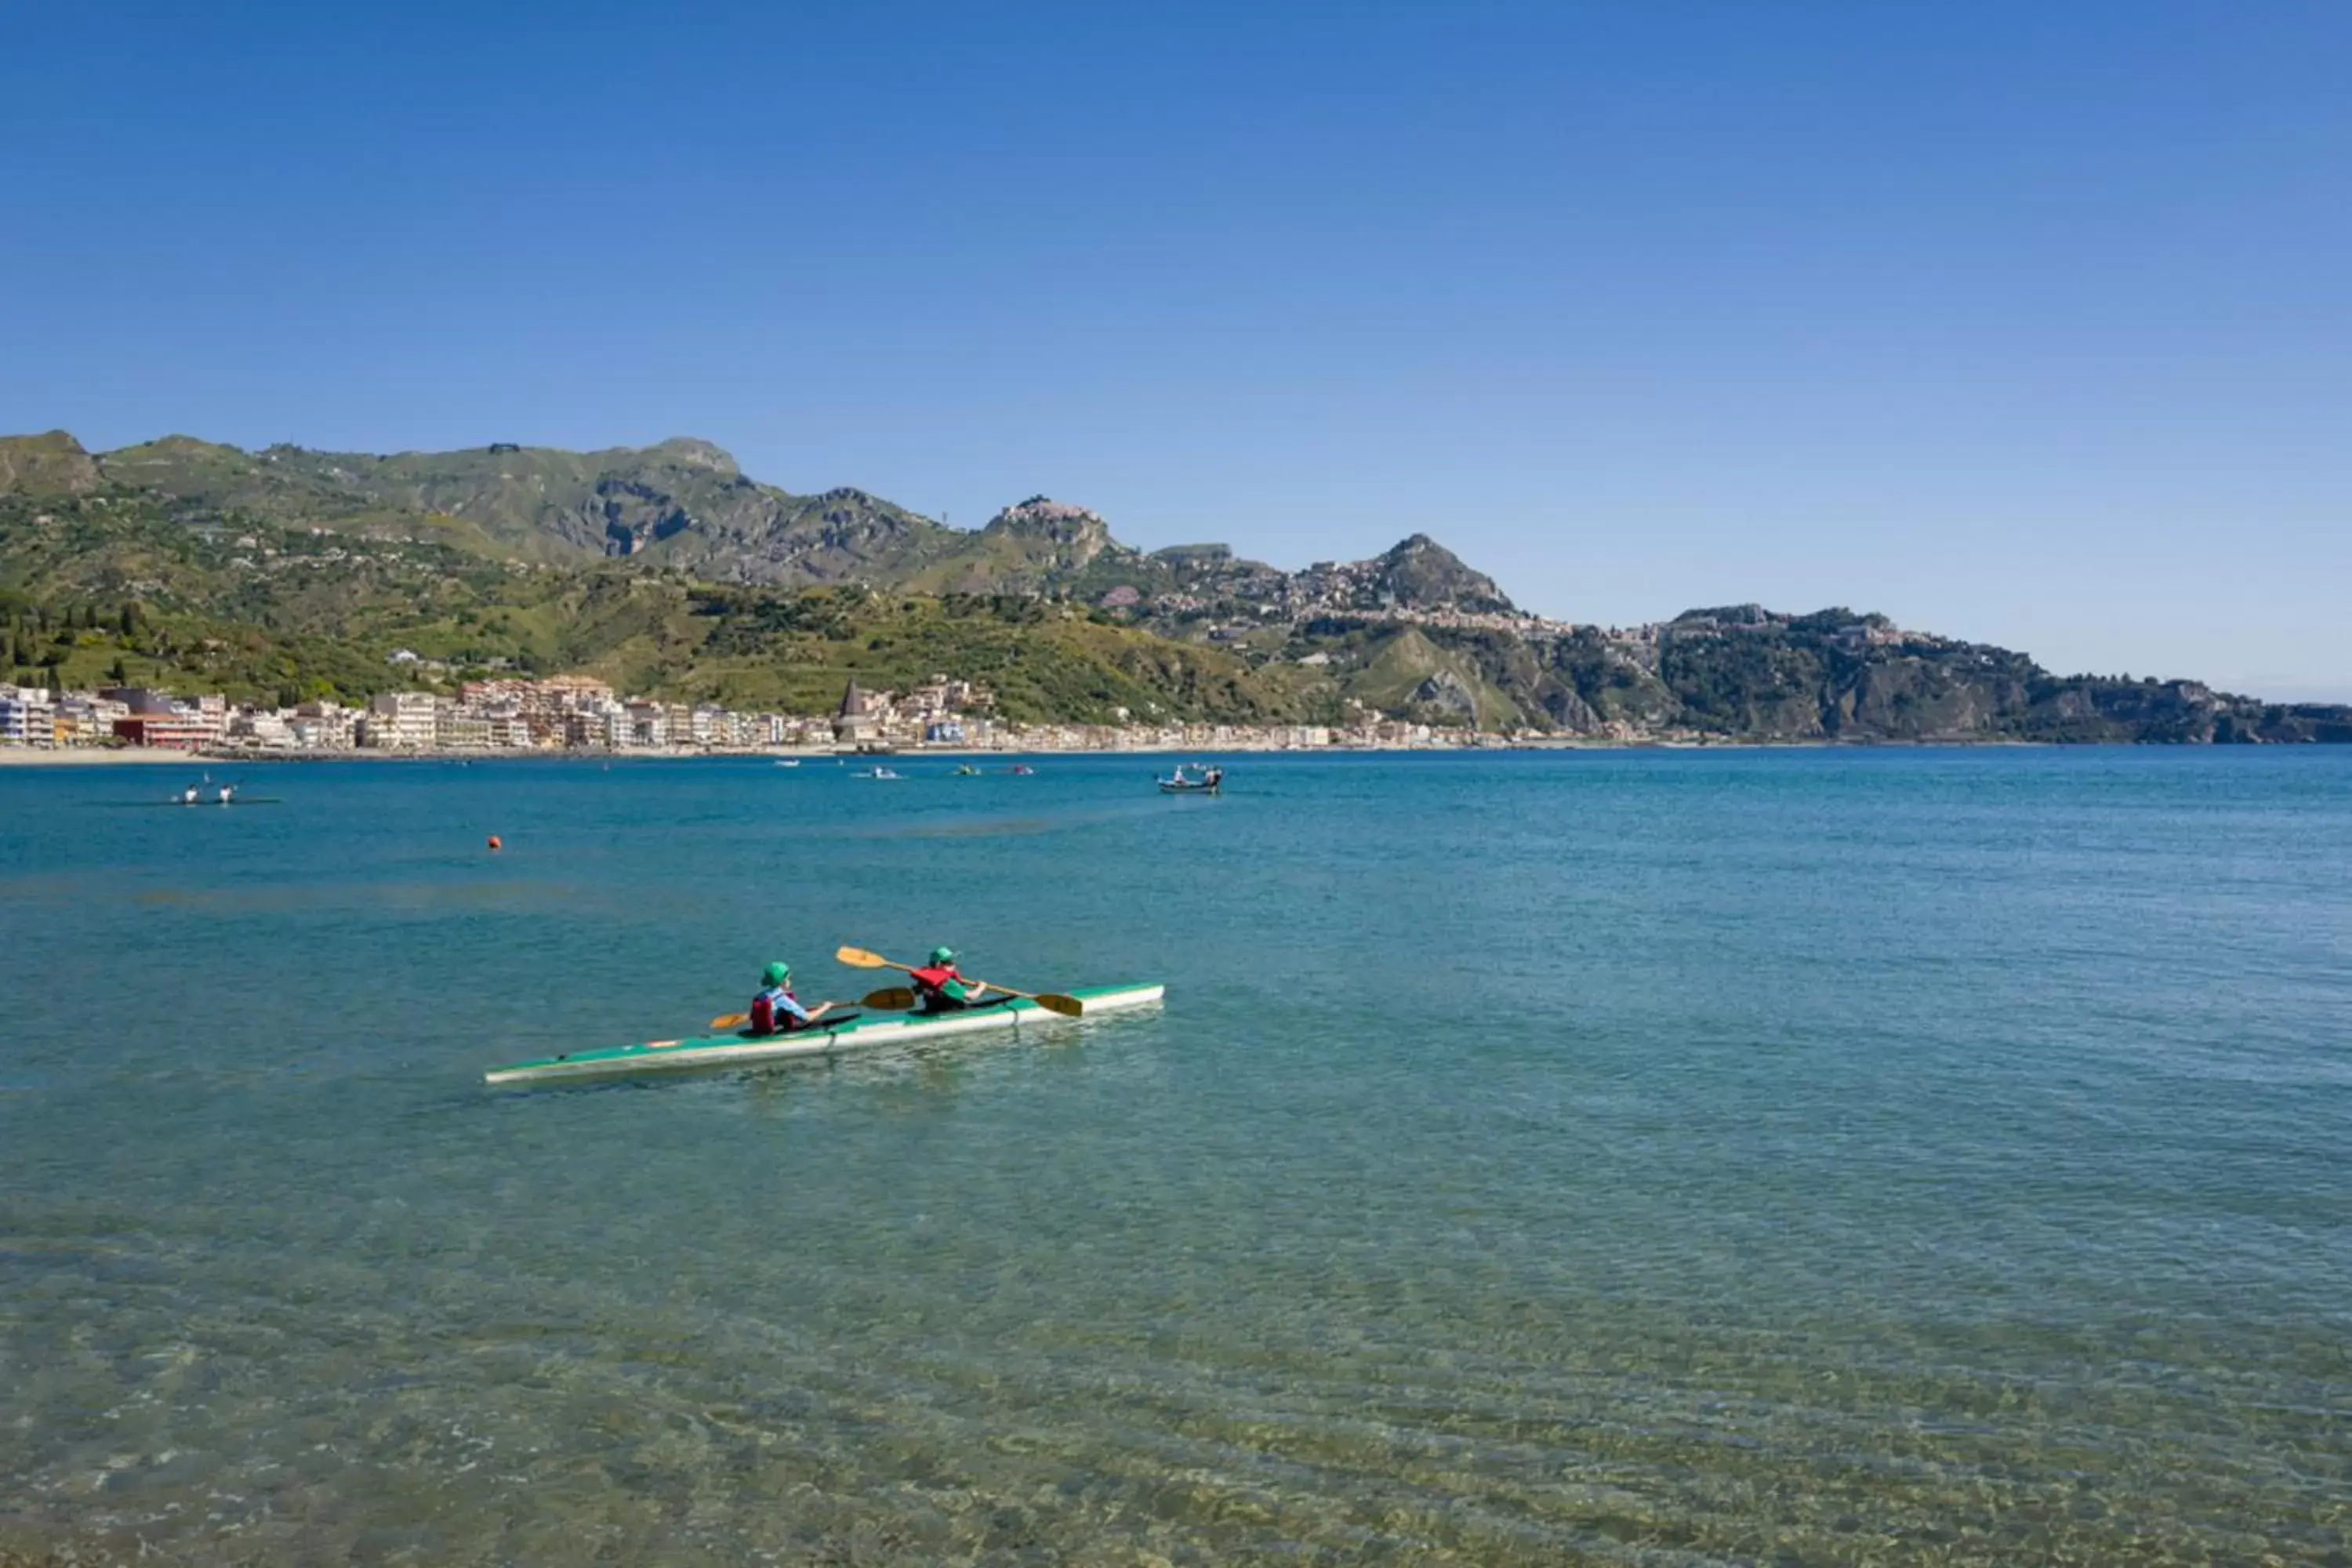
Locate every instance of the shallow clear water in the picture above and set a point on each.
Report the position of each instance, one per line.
(1663, 1158)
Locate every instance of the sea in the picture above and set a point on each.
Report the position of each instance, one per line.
(1636, 1157)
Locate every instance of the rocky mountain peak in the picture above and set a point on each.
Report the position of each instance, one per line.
(1727, 615)
(1051, 519)
(1077, 534)
(697, 453)
(50, 464)
(1422, 575)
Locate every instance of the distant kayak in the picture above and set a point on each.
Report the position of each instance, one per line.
(713, 1052)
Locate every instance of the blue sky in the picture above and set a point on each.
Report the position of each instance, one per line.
(2027, 322)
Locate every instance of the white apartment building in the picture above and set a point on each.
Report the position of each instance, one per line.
(644, 724)
(460, 729)
(401, 721)
(27, 717)
(266, 730)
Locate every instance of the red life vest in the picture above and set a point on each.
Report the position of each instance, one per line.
(931, 994)
(763, 1016)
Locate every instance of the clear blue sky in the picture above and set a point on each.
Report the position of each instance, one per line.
(2019, 319)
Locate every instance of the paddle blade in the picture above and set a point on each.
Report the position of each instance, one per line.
(898, 999)
(858, 958)
(1067, 1006)
(731, 1020)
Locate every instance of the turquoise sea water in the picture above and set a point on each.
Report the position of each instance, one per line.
(1659, 1158)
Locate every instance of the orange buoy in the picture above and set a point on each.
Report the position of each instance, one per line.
(494, 842)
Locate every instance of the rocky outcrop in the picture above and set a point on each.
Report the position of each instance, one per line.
(1072, 536)
(1419, 573)
(1447, 693)
(52, 464)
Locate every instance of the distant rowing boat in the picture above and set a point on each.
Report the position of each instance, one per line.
(715, 1052)
(1210, 783)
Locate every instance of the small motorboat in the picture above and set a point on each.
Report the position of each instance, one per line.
(1211, 781)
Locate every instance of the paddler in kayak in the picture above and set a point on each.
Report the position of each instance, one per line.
(775, 1010)
(939, 989)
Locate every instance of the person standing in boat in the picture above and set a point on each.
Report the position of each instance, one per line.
(939, 989)
(775, 1010)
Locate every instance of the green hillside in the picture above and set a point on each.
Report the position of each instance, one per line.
(195, 567)
(680, 503)
(108, 587)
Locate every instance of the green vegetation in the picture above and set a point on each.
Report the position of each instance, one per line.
(286, 573)
(89, 585)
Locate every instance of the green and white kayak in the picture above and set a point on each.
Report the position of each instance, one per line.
(862, 1033)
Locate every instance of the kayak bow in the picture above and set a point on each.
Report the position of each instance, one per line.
(719, 1051)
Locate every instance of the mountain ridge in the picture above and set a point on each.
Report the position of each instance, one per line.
(684, 502)
(665, 568)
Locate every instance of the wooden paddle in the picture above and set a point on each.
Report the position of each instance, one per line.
(879, 999)
(1052, 1001)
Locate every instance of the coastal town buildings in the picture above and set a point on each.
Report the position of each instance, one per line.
(26, 717)
(577, 713)
(399, 721)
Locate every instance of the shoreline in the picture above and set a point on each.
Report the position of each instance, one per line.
(161, 756)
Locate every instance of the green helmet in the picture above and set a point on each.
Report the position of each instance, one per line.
(776, 973)
(942, 955)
